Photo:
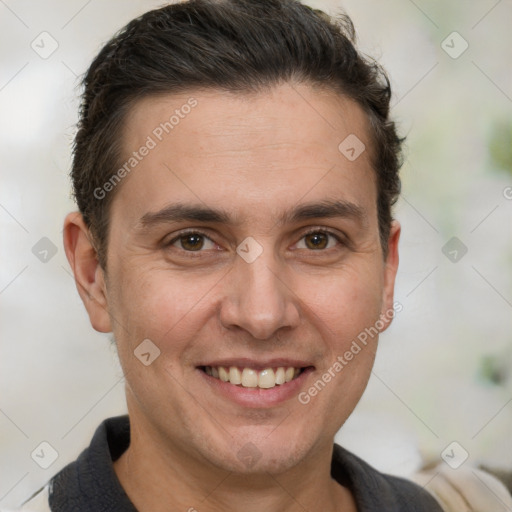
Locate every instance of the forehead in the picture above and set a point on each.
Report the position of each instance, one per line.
(246, 151)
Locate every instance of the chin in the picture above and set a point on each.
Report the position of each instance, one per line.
(256, 454)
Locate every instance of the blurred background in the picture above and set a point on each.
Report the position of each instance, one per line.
(444, 368)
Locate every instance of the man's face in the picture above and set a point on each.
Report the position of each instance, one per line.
(245, 238)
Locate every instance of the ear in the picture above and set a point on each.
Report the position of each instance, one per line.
(89, 276)
(390, 270)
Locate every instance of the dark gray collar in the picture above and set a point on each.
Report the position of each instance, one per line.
(90, 483)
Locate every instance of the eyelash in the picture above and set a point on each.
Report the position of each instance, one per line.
(311, 231)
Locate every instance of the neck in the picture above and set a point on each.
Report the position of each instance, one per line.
(162, 479)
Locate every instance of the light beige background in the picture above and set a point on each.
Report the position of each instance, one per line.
(443, 370)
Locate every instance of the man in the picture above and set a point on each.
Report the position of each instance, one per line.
(234, 168)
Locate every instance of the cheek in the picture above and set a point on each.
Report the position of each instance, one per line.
(344, 312)
(153, 303)
(344, 303)
(170, 308)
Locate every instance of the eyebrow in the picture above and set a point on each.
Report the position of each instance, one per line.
(179, 212)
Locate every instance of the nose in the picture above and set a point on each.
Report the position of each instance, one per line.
(258, 299)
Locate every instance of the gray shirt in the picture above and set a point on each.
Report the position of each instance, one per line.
(90, 483)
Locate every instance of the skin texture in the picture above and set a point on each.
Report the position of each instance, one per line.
(255, 157)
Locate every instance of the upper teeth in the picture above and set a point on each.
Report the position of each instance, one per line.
(250, 378)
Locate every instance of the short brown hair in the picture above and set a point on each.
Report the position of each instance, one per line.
(235, 45)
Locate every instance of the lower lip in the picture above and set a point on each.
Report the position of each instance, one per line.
(257, 397)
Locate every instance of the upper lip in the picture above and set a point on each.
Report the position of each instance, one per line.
(245, 362)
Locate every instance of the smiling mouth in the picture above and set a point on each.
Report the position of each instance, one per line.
(250, 378)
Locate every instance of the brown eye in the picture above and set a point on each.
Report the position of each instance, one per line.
(192, 242)
(316, 240)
